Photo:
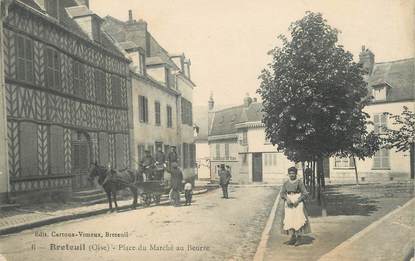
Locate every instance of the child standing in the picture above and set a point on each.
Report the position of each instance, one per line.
(295, 219)
(188, 191)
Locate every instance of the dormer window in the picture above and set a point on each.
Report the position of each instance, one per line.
(379, 93)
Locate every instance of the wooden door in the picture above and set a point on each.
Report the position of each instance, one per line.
(257, 167)
(81, 162)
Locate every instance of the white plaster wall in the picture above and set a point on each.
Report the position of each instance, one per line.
(149, 133)
(157, 73)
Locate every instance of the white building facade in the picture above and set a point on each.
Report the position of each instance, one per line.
(161, 94)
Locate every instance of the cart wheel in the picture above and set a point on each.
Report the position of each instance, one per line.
(147, 199)
(157, 199)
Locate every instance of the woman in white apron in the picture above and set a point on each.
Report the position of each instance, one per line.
(294, 218)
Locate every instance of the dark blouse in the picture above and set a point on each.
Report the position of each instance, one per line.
(294, 187)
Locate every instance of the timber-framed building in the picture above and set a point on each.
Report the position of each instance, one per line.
(66, 98)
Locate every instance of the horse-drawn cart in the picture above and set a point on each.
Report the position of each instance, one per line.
(152, 191)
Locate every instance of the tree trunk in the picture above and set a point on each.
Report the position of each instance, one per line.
(355, 171)
(320, 171)
(303, 166)
(313, 178)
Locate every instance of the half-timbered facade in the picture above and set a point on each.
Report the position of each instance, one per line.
(66, 97)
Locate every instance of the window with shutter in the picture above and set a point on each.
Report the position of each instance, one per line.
(227, 151)
(29, 148)
(381, 159)
(143, 109)
(100, 86)
(217, 151)
(24, 59)
(116, 90)
(157, 113)
(169, 117)
(380, 122)
(52, 68)
(78, 79)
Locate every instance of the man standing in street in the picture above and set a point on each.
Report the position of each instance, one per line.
(224, 179)
(176, 184)
(160, 164)
(148, 165)
(172, 157)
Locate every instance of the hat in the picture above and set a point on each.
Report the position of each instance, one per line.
(174, 164)
(292, 169)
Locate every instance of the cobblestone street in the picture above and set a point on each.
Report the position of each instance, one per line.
(216, 229)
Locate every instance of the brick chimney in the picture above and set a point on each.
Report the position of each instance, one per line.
(367, 59)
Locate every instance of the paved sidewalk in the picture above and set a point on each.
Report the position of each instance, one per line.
(390, 238)
(350, 209)
(21, 218)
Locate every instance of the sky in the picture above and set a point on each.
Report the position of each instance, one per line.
(228, 40)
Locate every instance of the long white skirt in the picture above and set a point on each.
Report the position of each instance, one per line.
(294, 217)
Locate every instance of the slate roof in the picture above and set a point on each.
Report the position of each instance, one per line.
(398, 75)
(66, 21)
(225, 120)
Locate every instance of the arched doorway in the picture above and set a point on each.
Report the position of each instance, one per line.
(81, 159)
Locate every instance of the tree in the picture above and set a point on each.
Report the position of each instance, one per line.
(402, 139)
(313, 93)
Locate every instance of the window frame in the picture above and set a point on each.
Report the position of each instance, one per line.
(169, 116)
(24, 59)
(343, 163)
(143, 109)
(116, 92)
(100, 86)
(383, 156)
(78, 78)
(380, 122)
(157, 113)
(52, 68)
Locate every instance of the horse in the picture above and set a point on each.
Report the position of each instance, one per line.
(112, 181)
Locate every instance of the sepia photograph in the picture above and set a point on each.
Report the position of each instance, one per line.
(198, 130)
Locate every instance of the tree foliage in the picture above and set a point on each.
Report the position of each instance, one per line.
(403, 138)
(313, 93)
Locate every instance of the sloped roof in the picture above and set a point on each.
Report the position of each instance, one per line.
(155, 60)
(128, 45)
(225, 120)
(119, 30)
(66, 21)
(399, 75)
(77, 11)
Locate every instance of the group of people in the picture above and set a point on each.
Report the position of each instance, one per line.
(154, 167)
(154, 170)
